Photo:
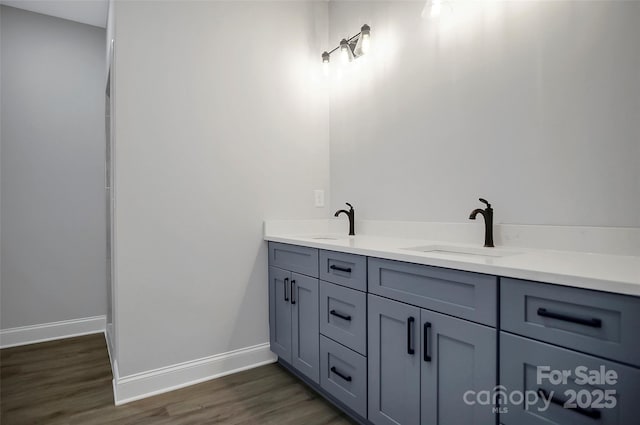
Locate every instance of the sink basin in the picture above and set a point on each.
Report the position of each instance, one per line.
(463, 250)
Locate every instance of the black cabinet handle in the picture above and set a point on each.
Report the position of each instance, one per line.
(427, 335)
(410, 322)
(345, 377)
(340, 315)
(594, 323)
(340, 269)
(286, 283)
(293, 291)
(592, 413)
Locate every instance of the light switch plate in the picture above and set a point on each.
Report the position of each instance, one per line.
(318, 196)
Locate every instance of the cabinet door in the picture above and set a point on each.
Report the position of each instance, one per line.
(280, 312)
(305, 355)
(457, 356)
(394, 362)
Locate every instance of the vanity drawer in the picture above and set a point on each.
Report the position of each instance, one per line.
(598, 323)
(468, 295)
(344, 269)
(343, 374)
(300, 259)
(519, 361)
(343, 316)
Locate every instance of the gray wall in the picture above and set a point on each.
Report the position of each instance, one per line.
(534, 105)
(221, 121)
(52, 206)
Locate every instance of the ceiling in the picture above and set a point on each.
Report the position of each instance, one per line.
(91, 12)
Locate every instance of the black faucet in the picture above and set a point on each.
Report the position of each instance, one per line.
(487, 213)
(351, 214)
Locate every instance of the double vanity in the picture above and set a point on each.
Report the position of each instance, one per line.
(394, 332)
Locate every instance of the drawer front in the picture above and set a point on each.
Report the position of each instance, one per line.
(300, 259)
(343, 316)
(471, 296)
(344, 269)
(343, 374)
(597, 323)
(520, 359)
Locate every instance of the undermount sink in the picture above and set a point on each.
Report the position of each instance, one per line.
(328, 237)
(463, 250)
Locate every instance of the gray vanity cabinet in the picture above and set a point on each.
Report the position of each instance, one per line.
(468, 295)
(294, 324)
(305, 326)
(343, 316)
(298, 259)
(421, 364)
(280, 313)
(598, 323)
(394, 362)
(571, 401)
(570, 332)
(457, 356)
(410, 344)
(343, 374)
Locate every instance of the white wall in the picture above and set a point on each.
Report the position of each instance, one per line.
(221, 121)
(532, 105)
(53, 229)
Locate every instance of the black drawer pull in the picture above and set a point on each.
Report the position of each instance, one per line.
(345, 377)
(594, 323)
(340, 315)
(592, 413)
(410, 349)
(286, 283)
(427, 328)
(340, 269)
(293, 291)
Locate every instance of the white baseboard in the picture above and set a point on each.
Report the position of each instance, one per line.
(24, 335)
(162, 380)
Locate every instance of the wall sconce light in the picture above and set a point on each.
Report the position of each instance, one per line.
(350, 48)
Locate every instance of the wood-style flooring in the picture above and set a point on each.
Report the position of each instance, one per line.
(68, 382)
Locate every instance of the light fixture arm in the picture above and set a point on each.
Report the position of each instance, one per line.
(351, 42)
(355, 37)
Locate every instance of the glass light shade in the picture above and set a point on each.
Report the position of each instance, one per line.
(345, 51)
(366, 43)
(363, 43)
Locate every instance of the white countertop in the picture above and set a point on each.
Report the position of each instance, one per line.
(611, 273)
